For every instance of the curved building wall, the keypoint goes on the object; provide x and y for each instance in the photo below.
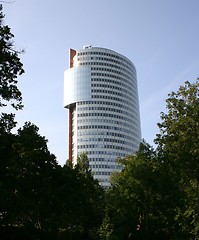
(102, 96)
(77, 85)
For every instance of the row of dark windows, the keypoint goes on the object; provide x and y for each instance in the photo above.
(104, 140)
(98, 107)
(93, 160)
(85, 103)
(114, 134)
(100, 53)
(105, 160)
(109, 84)
(103, 173)
(104, 166)
(116, 71)
(106, 82)
(115, 104)
(120, 78)
(105, 127)
(108, 154)
(109, 115)
(111, 98)
(104, 121)
(104, 87)
(106, 64)
(105, 109)
(89, 60)
(124, 93)
(87, 146)
(124, 74)
(123, 100)
(111, 57)
(96, 159)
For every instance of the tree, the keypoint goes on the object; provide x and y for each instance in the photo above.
(26, 183)
(141, 198)
(10, 68)
(179, 129)
(83, 164)
(91, 199)
(178, 144)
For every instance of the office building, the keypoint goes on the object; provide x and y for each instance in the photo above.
(100, 91)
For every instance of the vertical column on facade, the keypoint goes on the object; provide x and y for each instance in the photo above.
(70, 134)
(72, 53)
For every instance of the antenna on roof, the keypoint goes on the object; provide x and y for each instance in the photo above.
(87, 46)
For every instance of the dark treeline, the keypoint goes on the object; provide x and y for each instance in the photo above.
(156, 195)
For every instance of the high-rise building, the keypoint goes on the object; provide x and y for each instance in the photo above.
(100, 91)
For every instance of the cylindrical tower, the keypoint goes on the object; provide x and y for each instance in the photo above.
(100, 91)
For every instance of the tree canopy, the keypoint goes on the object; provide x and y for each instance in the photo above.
(179, 129)
(156, 195)
(10, 68)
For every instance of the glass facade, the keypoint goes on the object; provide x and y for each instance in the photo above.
(101, 92)
(78, 84)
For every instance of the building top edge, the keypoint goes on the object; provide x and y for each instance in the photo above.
(88, 48)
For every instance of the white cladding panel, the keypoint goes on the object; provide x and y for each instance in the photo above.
(77, 85)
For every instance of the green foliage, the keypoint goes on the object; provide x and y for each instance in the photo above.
(26, 171)
(10, 68)
(178, 142)
(41, 198)
(106, 229)
(156, 196)
(91, 196)
(141, 199)
(83, 163)
(7, 123)
(179, 130)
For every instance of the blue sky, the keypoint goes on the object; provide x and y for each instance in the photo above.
(161, 37)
